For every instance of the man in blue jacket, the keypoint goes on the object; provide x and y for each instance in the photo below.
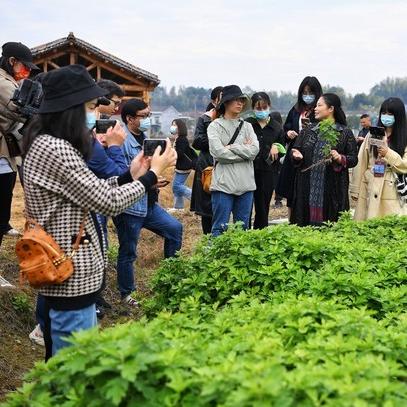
(146, 213)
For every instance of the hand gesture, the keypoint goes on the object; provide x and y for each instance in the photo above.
(139, 166)
(336, 156)
(115, 136)
(296, 154)
(292, 134)
(160, 162)
(274, 152)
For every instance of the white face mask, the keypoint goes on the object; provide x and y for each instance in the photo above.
(173, 130)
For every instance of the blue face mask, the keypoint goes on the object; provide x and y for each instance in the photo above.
(387, 120)
(262, 114)
(145, 124)
(90, 120)
(308, 99)
(173, 130)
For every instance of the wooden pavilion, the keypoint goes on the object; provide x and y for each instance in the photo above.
(136, 82)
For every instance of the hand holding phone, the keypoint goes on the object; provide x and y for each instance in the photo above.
(150, 145)
(115, 136)
(102, 125)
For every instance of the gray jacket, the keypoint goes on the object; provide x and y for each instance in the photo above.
(233, 173)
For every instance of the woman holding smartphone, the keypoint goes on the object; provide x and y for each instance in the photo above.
(374, 180)
(298, 117)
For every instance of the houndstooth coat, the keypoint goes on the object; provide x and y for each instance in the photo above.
(59, 187)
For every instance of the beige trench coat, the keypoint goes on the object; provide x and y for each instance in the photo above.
(377, 196)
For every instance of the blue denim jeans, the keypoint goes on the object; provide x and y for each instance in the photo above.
(223, 205)
(102, 219)
(128, 231)
(180, 190)
(64, 323)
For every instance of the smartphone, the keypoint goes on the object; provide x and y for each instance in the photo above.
(305, 121)
(377, 132)
(103, 125)
(150, 145)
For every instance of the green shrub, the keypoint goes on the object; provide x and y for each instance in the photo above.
(304, 352)
(21, 303)
(358, 264)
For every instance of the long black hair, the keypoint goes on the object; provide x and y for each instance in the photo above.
(334, 101)
(315, 88)
(182, 127)
(68, 125)
(398, 139)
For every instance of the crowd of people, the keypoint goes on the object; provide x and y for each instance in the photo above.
(75, 178)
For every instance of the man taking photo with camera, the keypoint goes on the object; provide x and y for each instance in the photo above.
(16, 64)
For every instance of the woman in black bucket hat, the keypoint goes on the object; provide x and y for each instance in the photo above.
(233, 146)
(61, 191)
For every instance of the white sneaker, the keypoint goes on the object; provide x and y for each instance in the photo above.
(13, 232)
(37, 336)
(129, 300)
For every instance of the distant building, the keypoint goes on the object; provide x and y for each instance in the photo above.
(136, 82)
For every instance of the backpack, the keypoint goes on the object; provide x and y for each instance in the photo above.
(42, 262)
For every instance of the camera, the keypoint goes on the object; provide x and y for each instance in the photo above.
(27, 97)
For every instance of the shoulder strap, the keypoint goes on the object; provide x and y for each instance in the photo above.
(237, 131)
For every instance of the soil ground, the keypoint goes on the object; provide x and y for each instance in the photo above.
(17, 305)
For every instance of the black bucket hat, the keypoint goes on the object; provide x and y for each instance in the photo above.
(232, 92)
(19, 51)
(68, 86)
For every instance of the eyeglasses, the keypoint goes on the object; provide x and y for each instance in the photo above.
(143, 116)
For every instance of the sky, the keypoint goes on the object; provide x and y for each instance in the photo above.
(264, 44)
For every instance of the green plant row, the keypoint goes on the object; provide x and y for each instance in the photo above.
(303, 352)
(357, 264)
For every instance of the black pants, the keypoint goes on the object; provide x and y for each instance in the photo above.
(206, 222)
(7, 182)
(265, 184)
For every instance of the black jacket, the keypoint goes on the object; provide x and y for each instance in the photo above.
(186, 155)
(336, 187)
(267, 136)
(200, 200)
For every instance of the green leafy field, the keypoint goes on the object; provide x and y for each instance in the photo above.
(280, 317)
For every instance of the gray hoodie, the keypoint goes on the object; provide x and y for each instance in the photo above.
(234, 173)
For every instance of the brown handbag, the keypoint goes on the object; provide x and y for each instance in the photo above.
(42, 262)
(206, 179)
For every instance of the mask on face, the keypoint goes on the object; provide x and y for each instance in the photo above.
(145, 124)
(173, 130)
(22, 73)
(262, 114)
(308, 99)
(387, 120)
(90, 120)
